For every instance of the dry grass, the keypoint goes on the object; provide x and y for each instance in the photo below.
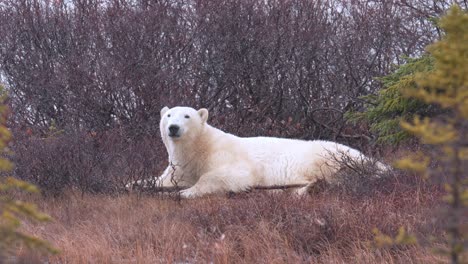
(328, 227)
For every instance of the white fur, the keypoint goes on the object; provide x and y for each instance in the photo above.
(207, 160)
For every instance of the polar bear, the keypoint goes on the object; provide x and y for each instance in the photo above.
(204, 159)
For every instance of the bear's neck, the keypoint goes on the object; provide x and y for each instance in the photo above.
(191, 155)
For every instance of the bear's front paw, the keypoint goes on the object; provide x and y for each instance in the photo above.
(187, 194)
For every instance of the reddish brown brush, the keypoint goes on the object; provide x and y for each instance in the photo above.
(330, 226)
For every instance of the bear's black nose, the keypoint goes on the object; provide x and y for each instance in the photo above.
(173, 130)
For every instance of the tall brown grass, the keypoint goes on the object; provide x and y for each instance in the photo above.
(331, 226)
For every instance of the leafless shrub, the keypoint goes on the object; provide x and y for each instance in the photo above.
(365, 177)
(89, 162)
(92, 64)
(278, 68)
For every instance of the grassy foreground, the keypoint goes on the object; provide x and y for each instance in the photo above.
(331, 226)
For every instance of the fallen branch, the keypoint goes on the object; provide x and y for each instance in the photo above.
(177, 189)
(279, 187)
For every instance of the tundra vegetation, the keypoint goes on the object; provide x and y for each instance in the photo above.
(86, 81)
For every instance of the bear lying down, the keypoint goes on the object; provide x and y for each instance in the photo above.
(204, 159)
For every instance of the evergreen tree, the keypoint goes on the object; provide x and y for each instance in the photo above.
(13, 210)
(445, 86)
(385, 110)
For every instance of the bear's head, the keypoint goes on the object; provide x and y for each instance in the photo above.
(182, 123)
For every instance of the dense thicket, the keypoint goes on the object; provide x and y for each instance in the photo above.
(88, 77)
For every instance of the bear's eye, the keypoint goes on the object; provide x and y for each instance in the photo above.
(168, 115)
(187, 116)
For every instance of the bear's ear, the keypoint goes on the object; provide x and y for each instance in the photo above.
(203, 113)
(164, 110)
